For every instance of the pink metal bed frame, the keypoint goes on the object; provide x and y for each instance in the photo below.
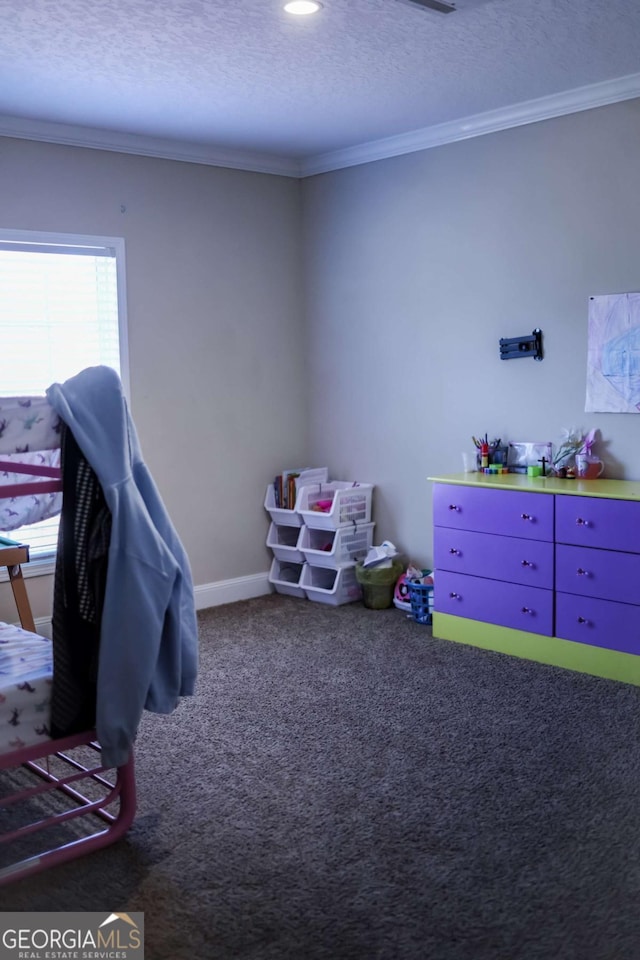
(66, 769)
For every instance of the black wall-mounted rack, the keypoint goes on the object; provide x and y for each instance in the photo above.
(513, 347)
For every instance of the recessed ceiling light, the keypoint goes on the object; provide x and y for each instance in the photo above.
(302, 8)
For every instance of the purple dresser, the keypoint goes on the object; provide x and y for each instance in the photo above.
(598, 572)
(494, 556)
(553, 564)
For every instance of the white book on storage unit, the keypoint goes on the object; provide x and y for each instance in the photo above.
(312, 475)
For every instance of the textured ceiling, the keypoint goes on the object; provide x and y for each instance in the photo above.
(246, 76)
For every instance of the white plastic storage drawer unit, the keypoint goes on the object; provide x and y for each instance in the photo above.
(289, 518)
(330, 586)
(327, 506)
(335, 548)
(286, 577)
(283, 542)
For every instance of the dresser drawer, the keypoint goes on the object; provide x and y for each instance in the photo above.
(496, 558)
(606, 574)
(601, 623)
(506, 604)
(595, 522)
(525, 515)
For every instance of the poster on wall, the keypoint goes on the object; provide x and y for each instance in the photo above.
(613, 357)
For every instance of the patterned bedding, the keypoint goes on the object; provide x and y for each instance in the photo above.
(29, 433)
(27, 424)
(26, 674)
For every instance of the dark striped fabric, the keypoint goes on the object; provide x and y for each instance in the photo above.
(79, 584)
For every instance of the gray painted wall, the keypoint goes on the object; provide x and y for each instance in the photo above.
(415, 268)
(216, 340)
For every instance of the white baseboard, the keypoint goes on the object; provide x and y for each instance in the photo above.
(229, 591)
(206, 594)
(43, 626)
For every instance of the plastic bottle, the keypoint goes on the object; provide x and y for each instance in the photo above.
(484, 455)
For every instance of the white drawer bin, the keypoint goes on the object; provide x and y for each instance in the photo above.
(289, 518)
(286, 577)
(283, 542)
(336, 548)
(350, 504)
(330, 586)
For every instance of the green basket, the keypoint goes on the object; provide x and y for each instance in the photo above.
(378, 584)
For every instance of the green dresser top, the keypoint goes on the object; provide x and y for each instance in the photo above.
(609, 489)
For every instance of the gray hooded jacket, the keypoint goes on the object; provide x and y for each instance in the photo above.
(148, 638)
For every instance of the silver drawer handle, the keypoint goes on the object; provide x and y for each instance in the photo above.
(527, 610)
(582, 573)
(455, 596)
(583, 620)
(526, 563)
(582, 523)
(453, 506)
(527, 516)
(453, 550)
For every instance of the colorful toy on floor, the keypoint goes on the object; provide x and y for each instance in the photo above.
(401, 597)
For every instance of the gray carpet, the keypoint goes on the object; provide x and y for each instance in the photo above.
(345, 786)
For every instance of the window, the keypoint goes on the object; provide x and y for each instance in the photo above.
(61, 309)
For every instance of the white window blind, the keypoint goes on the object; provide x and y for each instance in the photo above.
(61, 309)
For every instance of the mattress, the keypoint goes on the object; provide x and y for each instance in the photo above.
(26, 677)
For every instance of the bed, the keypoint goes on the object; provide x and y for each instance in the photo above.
(57, 797)
(60, 798)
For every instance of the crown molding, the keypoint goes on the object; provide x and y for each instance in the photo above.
(531, 111)
(144, 146)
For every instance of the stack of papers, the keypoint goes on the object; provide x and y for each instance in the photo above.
(380, 556)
